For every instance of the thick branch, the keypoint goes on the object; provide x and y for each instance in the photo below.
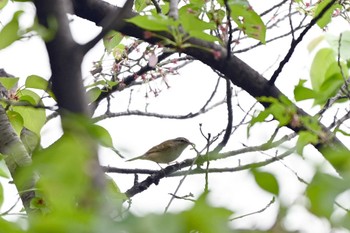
(65, 57)
(16, 158)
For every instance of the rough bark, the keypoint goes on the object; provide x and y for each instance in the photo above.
(16, 158)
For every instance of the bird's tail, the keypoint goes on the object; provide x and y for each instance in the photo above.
(138, 157)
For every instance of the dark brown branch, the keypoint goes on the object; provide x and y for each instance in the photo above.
(298, 40)
(65, 58)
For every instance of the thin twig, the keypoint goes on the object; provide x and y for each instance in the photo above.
(297, 41)
(255, 212)
(153, 114)
(228, 19)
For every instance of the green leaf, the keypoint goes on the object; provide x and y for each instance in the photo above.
(3, 170)
(266, 181)
(3, 3)
(153, 223)
(101, 135)
(305, 138)
(203, 36)
(343, 46)
(140, 5)
(37, 82)
(9, 83)
(206, 218)
(216, 15)
(153, 22)
(328, 89)
(62, 181)
(1, 194)
(111, 40)
(93, 94)
(339, 159)
(248, 20)
(9, 32)
(16, 121)
(327, 17)
(115, 194)
(303, 93)
(323, 60)
(196, 27)
(313, 44)
(333, 80)
(10, 226)
(259, 118)
(322, 192)
(48, 32)
(33, 118)
(30, 140)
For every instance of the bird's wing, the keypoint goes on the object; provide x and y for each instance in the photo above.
(164, 146)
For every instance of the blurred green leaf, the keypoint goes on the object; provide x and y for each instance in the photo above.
(118, 196)
(9, 32)
(339, 159)
(35, 81)
(93, 94)
(8, 83)
(328, 89)
(322, 191)
(203, 36)
(203, 217)
(16, 120)
(153, 223)
(322, 61)
(343, 47)
(30, 140)
(305, 138)
(1, 195)
(303, 93)
(3, 170)
(111, 40)
(101, 135)
(153, 22)
(10, 226)
(248, 20)
(3, 3)
(61, 169)
(316, 41)
(141, 4)
(33, 118)
(266, 181)
(216, 15)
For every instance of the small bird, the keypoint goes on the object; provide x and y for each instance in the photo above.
(166, 151)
